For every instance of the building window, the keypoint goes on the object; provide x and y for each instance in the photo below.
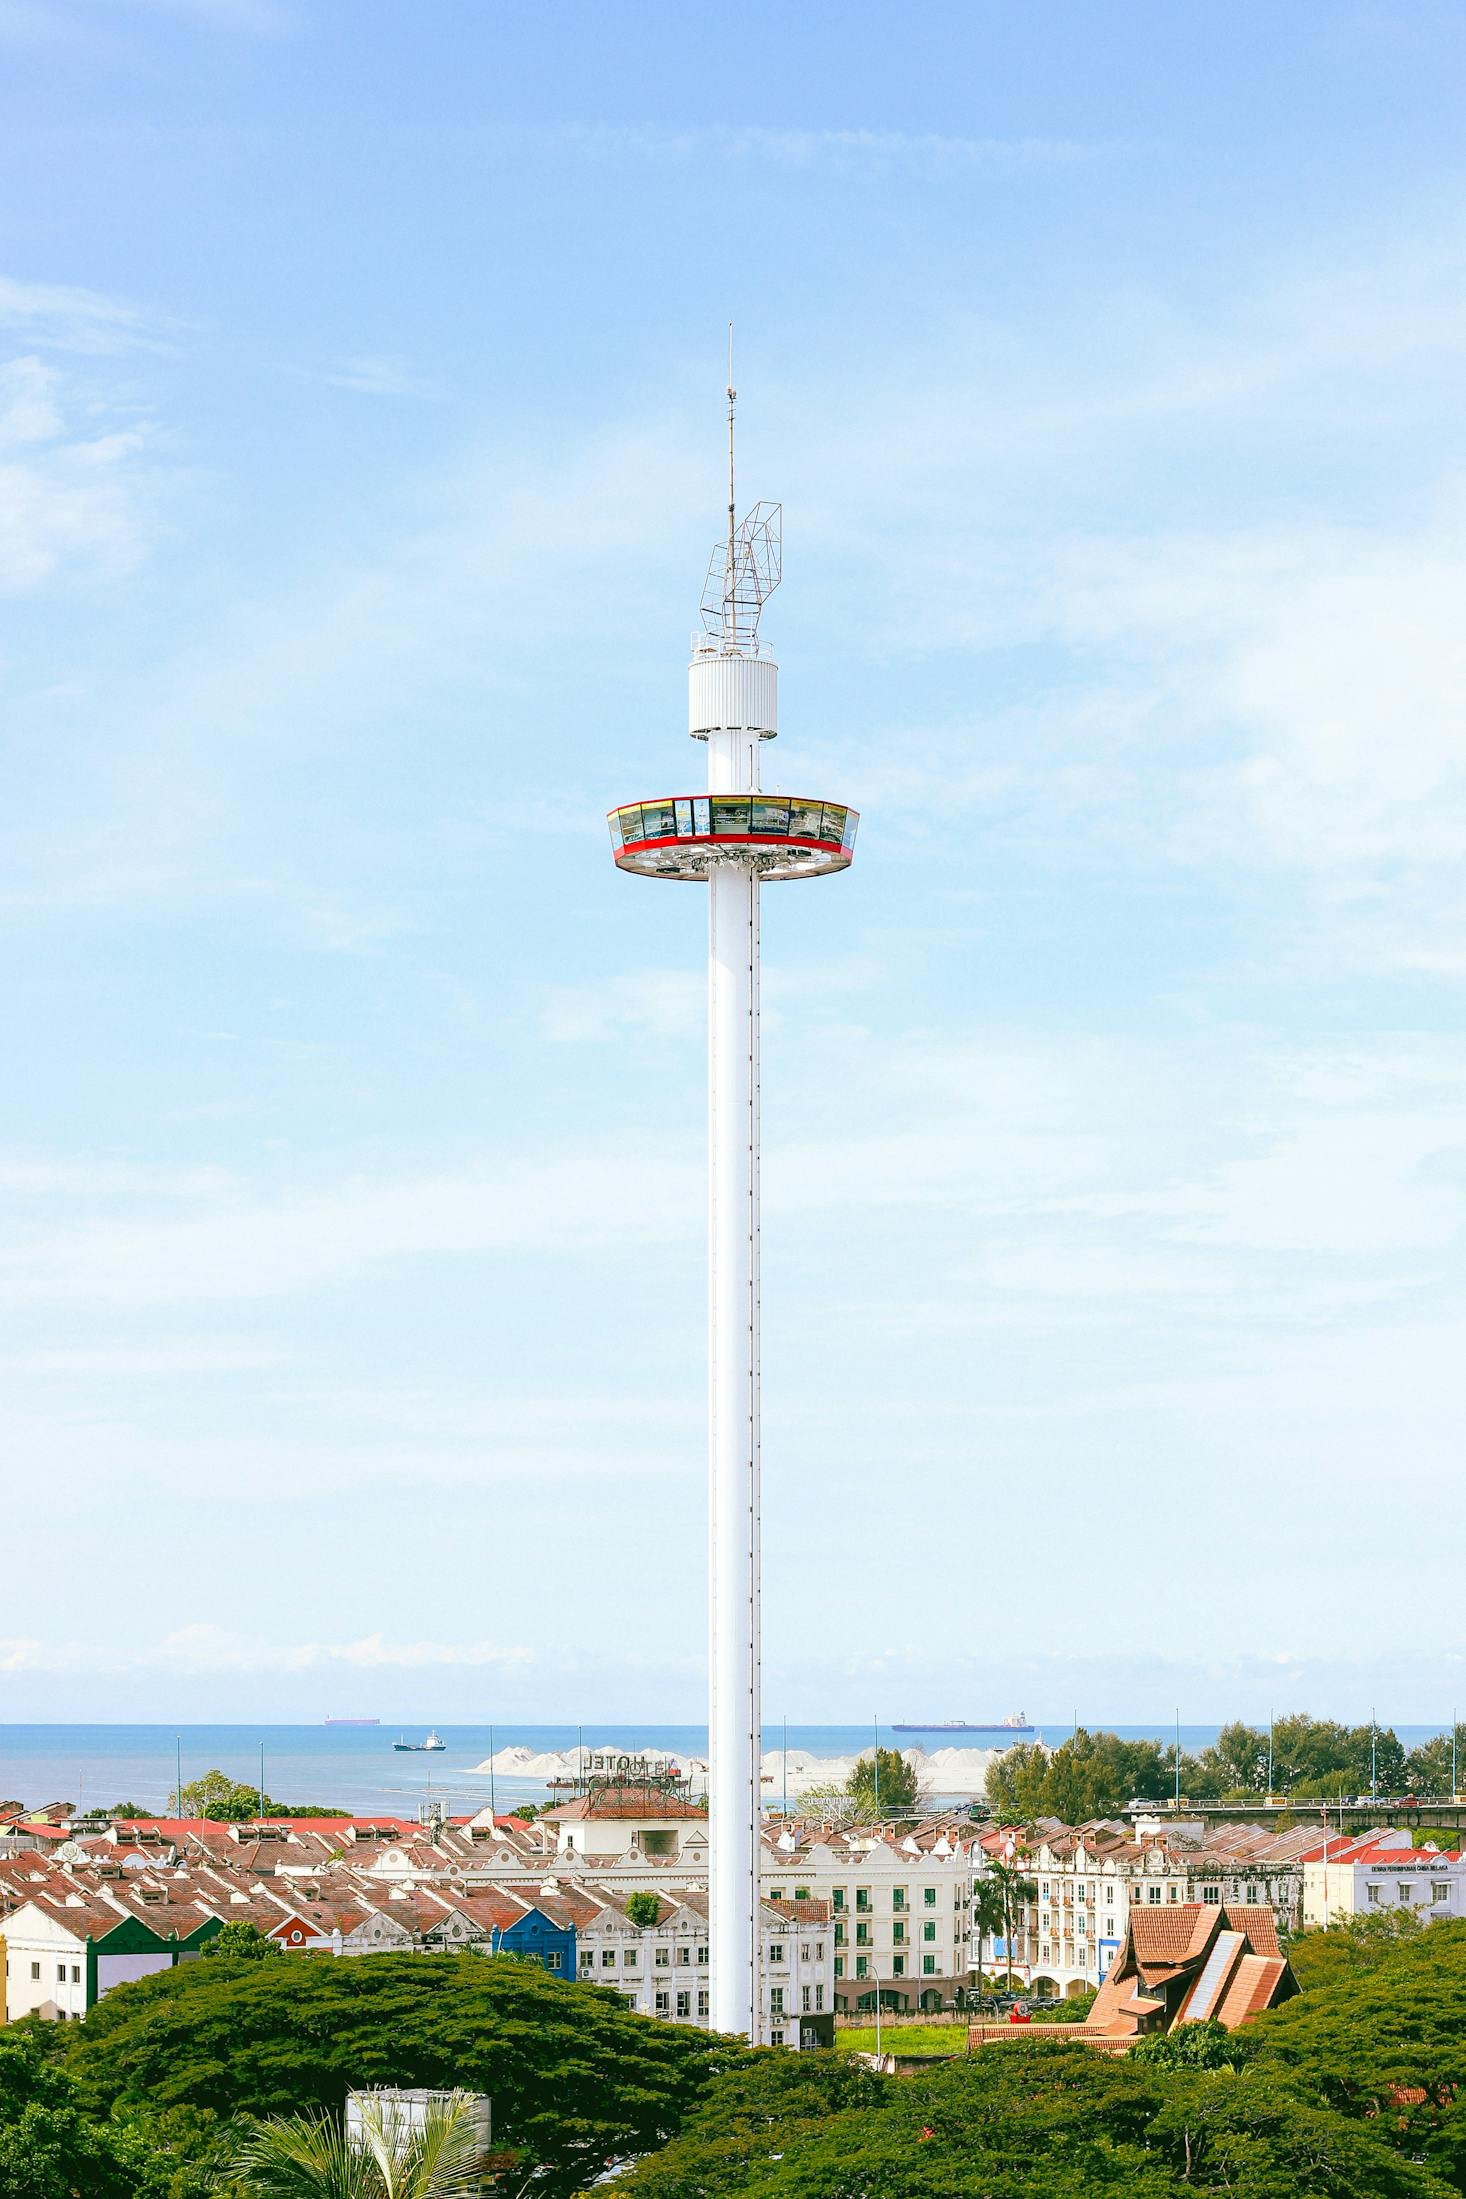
(702, 2004)
(1213, 1894)
(36, 1971)
(928, 1966)
(819, 2000)
(608, 1958)
(837, 1897)
(684, 2005)
(898, 1966)
(898, 1897)
(1373, 1892)
(663, 1958)
(1153, 1894)
(1044, 1889)
(1440, 1889)
(801, 1893)
(776, 2000)
(862, 1967)
(684, 1954)
(804, 1950)
(862, 1897)
(776, 2038)
(929, 1896)
(702, 1954)
(928, 1931)
(1173, 1893)
(819, 1950)
(776, 1951)
(663, 2003)
(552, 1960)
(1406, 1892)
(776, 1893)
(1109, 1897)
(629, 1958)
(839, 1966)
(898, 1933)
(839, 1935)
(61, 1973)
(804, 2008)
(862, 1935)
(587, 1962)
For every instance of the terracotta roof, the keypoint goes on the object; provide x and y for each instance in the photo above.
(1254, 1985)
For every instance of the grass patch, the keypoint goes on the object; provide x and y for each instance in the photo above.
(903, 2038)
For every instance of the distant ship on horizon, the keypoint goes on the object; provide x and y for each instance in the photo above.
(351, 1721)
(415, 1748)
(1017, 1723)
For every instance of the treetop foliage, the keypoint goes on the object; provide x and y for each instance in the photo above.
(895, 1793)
(576, 2078)
(1096, 1774)
(1030, 2120)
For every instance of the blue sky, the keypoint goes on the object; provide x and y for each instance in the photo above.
(359, 460)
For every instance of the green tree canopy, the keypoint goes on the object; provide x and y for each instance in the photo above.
(576, 2078)
(240, 1941)
(1030, 2120)
(896, 1793)
(1090, 1775)
(49, 2147)
(1385, 2043)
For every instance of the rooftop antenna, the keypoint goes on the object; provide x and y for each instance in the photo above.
(745, 568)
(732, 566)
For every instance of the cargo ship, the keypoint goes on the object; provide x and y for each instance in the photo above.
(352, 1721)
(416, 1748)
(1018, 1723)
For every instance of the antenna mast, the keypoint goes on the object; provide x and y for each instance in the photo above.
(729, 620)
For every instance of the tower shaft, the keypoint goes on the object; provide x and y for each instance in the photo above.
(733, 1400)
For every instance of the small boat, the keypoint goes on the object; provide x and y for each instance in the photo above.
(353, 1721)
(416, 1748)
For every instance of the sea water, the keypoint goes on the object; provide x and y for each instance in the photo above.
(356, 1768)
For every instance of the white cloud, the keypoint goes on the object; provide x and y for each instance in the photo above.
(65, 500)
(63, 317)
(207, 1649)
(923, 151)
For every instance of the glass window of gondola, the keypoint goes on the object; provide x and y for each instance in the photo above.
(847, 838)
(771, 818)
(832, 824)
(730, 814)
(614, 821)
(700, 822)
(630, 818)
(804, 820)
(684, 817)
(658, 820)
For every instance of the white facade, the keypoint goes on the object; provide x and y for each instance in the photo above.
(1065, 1940)
(1390, 1874)
(46, 1966)
(664, 1970)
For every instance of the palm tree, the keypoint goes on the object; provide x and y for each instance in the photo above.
(987, 1915)
(312, 2157)
(1014, 1890)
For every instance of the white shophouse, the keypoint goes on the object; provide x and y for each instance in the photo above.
(659, 1965)
(1346, 1878)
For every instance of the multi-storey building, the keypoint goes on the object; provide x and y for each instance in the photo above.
(1089, 1877)
(1347, 1877)
(899, 1900)
(659, 1964)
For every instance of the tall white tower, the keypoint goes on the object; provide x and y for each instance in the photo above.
(735, 837)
